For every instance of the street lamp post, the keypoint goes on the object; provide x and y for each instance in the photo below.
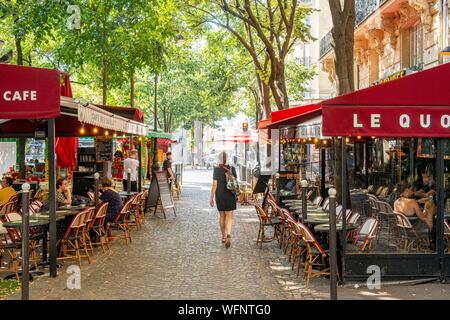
(155, 166)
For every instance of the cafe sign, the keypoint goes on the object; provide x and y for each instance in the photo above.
(29, 93)
(402, 121)
(395, 76)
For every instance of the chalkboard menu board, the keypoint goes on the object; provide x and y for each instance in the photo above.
(104, 149)
(159, 190)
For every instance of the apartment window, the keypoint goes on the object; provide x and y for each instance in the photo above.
(412, 47)
(417, 45)
(308, 21)
(307, 55)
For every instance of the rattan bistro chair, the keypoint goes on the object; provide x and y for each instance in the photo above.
(447, 235)
(409, 237)
(316, 257)
(98, 227)
(264, 222)
(121, 222)
(74, 239)
(366, 234)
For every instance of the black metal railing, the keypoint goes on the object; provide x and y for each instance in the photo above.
(363, 8)
(325, 44)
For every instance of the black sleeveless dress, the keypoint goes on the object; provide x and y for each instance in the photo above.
(225, 199)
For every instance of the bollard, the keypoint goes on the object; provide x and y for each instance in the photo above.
(96, 190)
(129, 181)
(304, 185)
(277, 186)
(25, 242)
(332, 249)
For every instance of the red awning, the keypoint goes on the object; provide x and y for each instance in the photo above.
(264, 124)
(126, 112)
(294, 115)
(29, 93)
(417, 105)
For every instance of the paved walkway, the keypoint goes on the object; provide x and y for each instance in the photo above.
(183, 258)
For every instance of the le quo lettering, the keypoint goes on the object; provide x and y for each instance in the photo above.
(25, 95)
(404, 121)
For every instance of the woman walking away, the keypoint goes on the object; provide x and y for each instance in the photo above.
(225, 199)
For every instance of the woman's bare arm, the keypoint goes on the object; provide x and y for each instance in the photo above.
(213, 191)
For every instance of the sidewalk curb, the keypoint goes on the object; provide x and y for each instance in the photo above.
(355, 285)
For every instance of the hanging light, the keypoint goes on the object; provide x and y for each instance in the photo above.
(316, 140)
(373, 137)
(358, 137)
(106, 133)
(82, 131)
(115, 134)
(347, 140)
(95, 130)
(140, 138)
(324, 141)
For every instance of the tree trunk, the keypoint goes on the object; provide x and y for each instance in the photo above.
(22, 141)
(132, 89)
(343, 40)
(105, 81)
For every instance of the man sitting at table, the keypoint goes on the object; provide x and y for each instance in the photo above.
(63, 195)
(7, 191)
(410, 207)
(112, 197)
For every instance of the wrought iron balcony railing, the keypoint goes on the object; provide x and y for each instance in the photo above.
(325, 44)
(363, 8)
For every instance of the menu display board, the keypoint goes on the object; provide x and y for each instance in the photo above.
(160, 192)
(104, 149)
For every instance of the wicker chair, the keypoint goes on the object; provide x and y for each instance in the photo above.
(264, 222)
(316, 257)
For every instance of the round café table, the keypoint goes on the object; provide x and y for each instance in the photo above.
(34, 222)
(325, 227)
(316, 220)
(126, 196)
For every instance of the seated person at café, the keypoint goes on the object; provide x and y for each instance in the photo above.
(7, 191)
(410, 207)
(112, 197)
(425, 186)
(63, 194)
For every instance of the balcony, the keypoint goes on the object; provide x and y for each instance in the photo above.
(325, 44)
(363, 8)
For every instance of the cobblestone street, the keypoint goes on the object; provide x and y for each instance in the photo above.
(183, 258)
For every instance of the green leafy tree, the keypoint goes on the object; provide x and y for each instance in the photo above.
(267, 30)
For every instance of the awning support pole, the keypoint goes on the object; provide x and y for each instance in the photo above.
(52, 195)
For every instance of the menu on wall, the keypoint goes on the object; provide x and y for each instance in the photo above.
(104, 149)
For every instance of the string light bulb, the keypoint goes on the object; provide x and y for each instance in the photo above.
(106, 133)
(95, 130)
(115, 134)
(358, 137)
(82, 131)
(347, 140)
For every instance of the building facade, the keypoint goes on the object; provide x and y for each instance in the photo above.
(309, 53)
(392, 38)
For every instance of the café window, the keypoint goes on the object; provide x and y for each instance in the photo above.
(401, 196)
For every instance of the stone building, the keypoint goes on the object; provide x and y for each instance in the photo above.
(392, 38)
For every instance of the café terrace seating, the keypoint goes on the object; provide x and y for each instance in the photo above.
(86, 230)
(296, 240)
